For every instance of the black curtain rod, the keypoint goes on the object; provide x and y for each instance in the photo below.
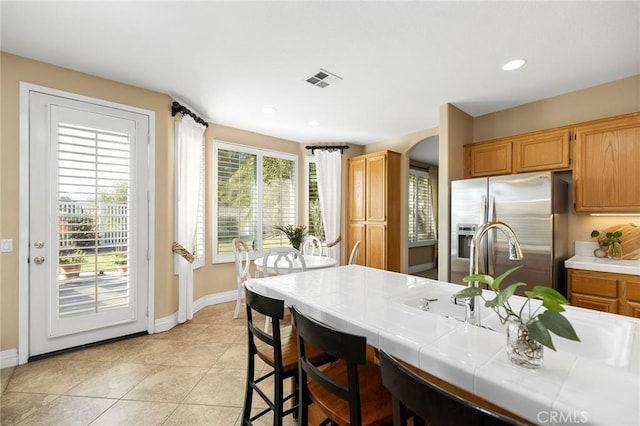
(176, 108)
(327, 148)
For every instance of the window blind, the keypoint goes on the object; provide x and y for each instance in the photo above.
(420, 207)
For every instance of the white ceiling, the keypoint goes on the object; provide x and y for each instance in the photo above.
(399, 60)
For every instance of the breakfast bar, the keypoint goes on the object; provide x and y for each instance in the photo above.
(595, 381)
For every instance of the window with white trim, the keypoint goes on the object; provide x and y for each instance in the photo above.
(421, 226)
(255, 190)
(312, 201)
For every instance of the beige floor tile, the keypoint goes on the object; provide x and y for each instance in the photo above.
(219, 387)
(188, 331)
(222, 334)
(136, 413)
(52, 375)
(115, 381)
(176, 352)
(193, 415)
(267, 420)
(108, 352)
(5, 376)
(69, 410)
(170, 384)
(234, 357)
(16, 406)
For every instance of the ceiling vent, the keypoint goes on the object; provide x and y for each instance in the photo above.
(323, 78)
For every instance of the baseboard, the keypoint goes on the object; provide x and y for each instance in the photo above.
(9, 358)
(421, 267)
(168, 322)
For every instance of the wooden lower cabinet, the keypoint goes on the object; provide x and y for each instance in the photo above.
(604, 291)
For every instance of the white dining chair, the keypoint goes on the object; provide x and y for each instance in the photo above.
(312, 246)
(282, 261)
(354, 253)
(241, 255)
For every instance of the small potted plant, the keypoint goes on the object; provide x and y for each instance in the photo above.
(295, 234)
(528, 328)
(611, 244)
(121, 261)
(71, 263)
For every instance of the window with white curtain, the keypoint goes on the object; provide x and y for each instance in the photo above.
(421, 226)
(312, 202)
(255, 190)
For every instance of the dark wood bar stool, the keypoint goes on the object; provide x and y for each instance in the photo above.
(426, 403)
(277, 349)
(348, 391)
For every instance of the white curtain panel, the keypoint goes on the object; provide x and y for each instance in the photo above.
(189, 159)
(329, 175)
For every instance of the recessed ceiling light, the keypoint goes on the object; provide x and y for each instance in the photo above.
(269, 110)
(313, 123)
(513, 65)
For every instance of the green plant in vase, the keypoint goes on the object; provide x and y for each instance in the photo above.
(612, 242)
(528, 328)
(295, 234)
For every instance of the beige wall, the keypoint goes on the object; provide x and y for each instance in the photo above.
(208, 280)
(606, 100)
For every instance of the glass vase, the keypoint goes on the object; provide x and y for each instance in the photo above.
(615, 251)
(521, 349)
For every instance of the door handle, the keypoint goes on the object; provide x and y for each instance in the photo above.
(38, 260)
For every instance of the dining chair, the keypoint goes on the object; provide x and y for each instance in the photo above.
(283, 261)
(241, 255)
(415, 397)
(354, 253)
(347, 391)
(312, 246)
(279, 351)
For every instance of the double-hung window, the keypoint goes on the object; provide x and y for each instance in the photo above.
(255, 190)
(421, 224)
(314, 214)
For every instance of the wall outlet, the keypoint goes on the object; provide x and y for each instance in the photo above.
(6, 245)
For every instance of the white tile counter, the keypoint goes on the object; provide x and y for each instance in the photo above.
(593, 382)
(584, 259)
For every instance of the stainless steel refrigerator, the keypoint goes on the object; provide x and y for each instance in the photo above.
(534, 205)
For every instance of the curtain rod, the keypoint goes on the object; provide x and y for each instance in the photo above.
(176, 108)
(327, 148)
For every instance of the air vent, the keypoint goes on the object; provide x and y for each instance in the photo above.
(323, 78)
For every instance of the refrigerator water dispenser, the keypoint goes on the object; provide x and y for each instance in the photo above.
(465, 234)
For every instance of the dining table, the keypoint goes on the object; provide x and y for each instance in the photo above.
(311, 262)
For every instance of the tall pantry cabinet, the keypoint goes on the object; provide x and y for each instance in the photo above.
(374, 209)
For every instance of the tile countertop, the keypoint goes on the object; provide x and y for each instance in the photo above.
(600, 386)
(584, 259)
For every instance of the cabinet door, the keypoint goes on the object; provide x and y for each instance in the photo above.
(632, 297)
(542, 151)
(376, 245)
(605, 170)
(488, 159)
(593, 283)
(376, 188)
(596, 303)
(356, 233)
(357, 169)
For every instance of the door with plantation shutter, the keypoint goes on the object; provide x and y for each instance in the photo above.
(88, 224)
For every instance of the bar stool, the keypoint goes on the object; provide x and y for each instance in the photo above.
(427, 403)
(279, 351)
(348, 391)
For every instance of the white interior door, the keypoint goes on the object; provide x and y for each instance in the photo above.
(88, 224)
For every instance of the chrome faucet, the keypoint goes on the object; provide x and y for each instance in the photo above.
(515, 253)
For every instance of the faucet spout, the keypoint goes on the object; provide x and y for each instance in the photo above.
(515, 253)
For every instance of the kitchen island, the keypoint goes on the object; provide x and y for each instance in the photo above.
(594, 382)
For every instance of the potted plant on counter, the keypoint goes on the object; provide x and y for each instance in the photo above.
(528, 328)
(611, 244)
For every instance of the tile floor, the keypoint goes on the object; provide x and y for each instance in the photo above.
(192, 374)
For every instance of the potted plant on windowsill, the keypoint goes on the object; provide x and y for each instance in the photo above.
(295, 234)
(528, 328)
(72, 263)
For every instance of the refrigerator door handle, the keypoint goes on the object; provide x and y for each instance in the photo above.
(491, 237)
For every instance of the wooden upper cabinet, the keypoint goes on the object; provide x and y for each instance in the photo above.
(357, 169)
(376, 188)
(548, 150)
(488, 158)
(606, 172)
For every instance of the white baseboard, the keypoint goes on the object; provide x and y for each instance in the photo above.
(9, 358)
(168, 322)
(421, 267)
